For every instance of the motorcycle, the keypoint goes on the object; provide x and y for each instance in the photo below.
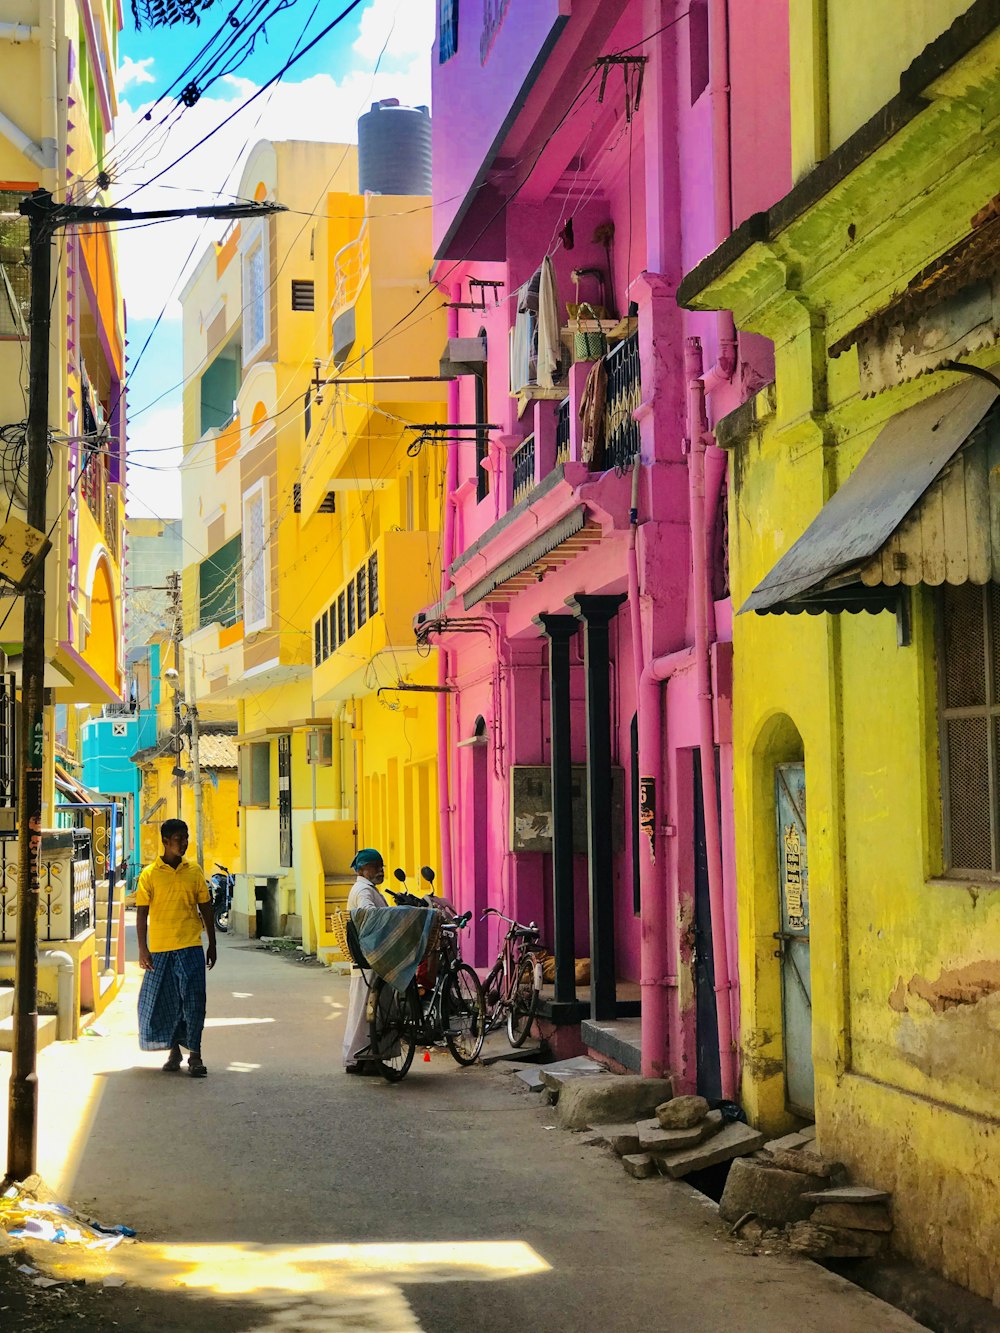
(221, 885)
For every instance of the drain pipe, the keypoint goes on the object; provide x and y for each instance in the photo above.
(701, 594)
(66, 976)
(447, 556)
(722, 194)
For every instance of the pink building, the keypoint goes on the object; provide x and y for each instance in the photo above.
(584, 612)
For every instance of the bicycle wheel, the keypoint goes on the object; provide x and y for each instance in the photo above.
(523, 1001)
(463, 1014)
(492, 1000)
(391, 1030)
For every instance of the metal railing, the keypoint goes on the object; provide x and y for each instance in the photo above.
(350, 268)
(524, 468)
(111, 519)
(562, 432)
(624, 394)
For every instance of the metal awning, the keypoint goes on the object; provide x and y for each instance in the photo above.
(832, 565)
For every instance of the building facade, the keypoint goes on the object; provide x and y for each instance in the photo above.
(584, 616)
(864, 742)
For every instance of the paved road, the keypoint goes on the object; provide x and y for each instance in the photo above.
(281, 1196)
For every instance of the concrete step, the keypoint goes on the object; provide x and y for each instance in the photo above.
(6, 1001)
(46, 1031)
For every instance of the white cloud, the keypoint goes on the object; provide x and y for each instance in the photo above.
(153, 488)
(135, 71)
(151, 259)
(407, 26)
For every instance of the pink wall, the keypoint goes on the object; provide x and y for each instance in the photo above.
(560, 154)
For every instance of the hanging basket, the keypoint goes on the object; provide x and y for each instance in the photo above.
(588, 344)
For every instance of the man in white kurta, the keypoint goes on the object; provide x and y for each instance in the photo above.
(370, 871)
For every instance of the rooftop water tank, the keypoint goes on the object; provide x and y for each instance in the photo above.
(394, 149)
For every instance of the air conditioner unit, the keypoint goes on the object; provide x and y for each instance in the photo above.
(319, 747)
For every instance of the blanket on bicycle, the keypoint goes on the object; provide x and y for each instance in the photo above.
(394, 940)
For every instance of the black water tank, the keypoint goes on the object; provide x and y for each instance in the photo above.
(394, 149)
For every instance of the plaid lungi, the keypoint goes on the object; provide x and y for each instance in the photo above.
(172, 1000)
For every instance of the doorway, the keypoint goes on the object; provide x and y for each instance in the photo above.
(793, 935)
(284, 801)
(709, 1074)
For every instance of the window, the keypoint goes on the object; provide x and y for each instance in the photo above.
(969, 694)
(361, 583)
(342, 618)
(698, 41)
(447, 30)
(15, 274)
(303, 295)
(256, 559)
(219, 585)
(318, 641)
(325, 630)
(373, 583)
(255, 312)
(255, 773)
(352, 623)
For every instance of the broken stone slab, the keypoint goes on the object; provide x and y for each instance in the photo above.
(556, 1075)
(639, 1165)
(834, 1242)
(610, 1100)
(853, 1216)
(850, 1194)
(654, 1139)
(593, 1139)
(712, 1123)
(682, 1112)
(531, 1077)
(766, 1191)
(788, 1143)
(808, 1163)
(624, 1139)
(809, 1132)
(735, 1140)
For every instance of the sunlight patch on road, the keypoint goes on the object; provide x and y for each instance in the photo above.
(241, 1067)
(235, 1022)
(242, 994)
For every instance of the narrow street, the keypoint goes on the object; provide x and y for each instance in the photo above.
(281, 1195)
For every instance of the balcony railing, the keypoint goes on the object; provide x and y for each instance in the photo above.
(350, 267)
(562, 432)
(621, 430)
(524, 468)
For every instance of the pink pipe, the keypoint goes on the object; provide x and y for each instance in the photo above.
(632, 565)
(701, 593)
(722, 195)
(447, 555)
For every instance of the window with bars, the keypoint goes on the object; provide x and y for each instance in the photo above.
(256, 559)
(373, 583)
(254, 300)
(969, 702)
(361, 582)
(352, 623)
(342, 618)
(303, 294)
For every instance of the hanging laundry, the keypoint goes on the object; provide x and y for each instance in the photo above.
(549, 342)
(593, 404)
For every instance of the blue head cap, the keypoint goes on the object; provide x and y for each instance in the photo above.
(366, 857)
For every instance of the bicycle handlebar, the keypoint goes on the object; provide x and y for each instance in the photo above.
(492, 911)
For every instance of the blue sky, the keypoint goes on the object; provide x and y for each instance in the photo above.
(338, 76)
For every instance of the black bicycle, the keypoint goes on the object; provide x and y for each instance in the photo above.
(512, 987)
(450, 1011)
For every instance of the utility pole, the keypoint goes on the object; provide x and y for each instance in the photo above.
(45, 218)
(193, 721)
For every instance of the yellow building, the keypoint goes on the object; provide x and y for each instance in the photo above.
(379, 504)
(58, 66)
(865, 731)
(258, 577)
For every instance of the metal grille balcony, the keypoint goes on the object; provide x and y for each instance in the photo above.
(524, 468)
(621, 431)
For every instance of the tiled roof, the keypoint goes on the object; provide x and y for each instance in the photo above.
(216, 750)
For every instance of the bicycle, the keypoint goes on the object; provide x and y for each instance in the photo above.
(513, 984)
(452, 1012)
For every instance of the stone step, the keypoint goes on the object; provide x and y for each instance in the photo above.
(6, 1001)
(46, 1031)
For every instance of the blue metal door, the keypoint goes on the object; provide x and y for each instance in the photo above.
(793, 936)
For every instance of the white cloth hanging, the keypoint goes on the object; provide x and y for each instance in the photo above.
(549, 343)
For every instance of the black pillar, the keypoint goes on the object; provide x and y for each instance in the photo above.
(560, 632)
(597, 613)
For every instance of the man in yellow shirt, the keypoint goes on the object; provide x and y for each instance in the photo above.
(173, 903)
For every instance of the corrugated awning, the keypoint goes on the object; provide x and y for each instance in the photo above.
(837, 564)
